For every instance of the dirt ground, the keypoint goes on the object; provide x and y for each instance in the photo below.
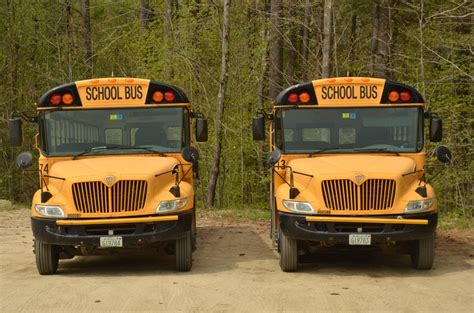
(235, 269)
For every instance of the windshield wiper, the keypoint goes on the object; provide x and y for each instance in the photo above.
(376, 150)
(102, 148)
(327, 149)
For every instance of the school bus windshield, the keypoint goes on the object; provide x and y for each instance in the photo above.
(349, 130)
(69, 132)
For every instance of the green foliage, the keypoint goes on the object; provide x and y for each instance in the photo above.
(429, 50)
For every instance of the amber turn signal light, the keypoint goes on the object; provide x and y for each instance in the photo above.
(158, 96)
(393, 96)
(68, 98)
(304, 97)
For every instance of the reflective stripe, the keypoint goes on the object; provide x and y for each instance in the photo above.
(119, 220)
(365, 220)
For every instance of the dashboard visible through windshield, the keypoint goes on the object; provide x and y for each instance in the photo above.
(349, 130)
(70, 132)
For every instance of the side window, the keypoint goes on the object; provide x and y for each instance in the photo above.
(289, 134)
(186, 130)
(133, 131)
(113, 136)
(316, 134)
(173, 136)
(347, 135)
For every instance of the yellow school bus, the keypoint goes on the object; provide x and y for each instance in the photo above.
(349, 163)
(117, 169)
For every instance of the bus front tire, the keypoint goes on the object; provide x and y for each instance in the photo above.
(422, 255)
(47, 258)
(288, 253)
(184, 250)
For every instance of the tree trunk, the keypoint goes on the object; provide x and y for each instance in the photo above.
(353, 51)
(146, 13)
(275, 74)
(380, 39)
(306, 34)
(326, 69)
(86, 24)
(211, 186)
(167, 18)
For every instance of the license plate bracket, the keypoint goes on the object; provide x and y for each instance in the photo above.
(111, 241)
(360, 239)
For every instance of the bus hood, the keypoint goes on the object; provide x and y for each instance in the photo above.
(348, 165)
(121, 167)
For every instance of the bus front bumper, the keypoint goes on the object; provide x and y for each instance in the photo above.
(336, 229)
(135, 231)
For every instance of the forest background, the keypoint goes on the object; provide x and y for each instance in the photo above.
(234, 57)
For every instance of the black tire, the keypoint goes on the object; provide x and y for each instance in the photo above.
(184, 251)
(422, 255)
(288, 253)
(47, 258)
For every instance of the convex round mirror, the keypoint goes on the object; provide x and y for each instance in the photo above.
(274, 157)
(190, 154)
(444, 154)
(23, 160)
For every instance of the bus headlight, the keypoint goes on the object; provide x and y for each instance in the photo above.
(298, 206)
(420, 205)
(49, 210)
(171, 205)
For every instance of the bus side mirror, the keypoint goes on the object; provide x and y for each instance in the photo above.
(14, 126)
(258, 128)
(201, 129)
(443, 154)
(436, 129)
(23, 160)
(274, 157)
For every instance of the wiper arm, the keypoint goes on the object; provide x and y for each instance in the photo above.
(376, 150)
(327, 149)
(101, 148)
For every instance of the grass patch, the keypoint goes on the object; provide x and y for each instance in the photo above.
(247, 213)
(6, 205)
(449, 221)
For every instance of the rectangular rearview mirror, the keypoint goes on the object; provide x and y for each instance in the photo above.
(258, 128)
(201, 129)
(14, 126)
(436, 129)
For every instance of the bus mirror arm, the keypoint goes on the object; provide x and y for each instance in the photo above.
(294, 192)
(23, 116)
(175, 190)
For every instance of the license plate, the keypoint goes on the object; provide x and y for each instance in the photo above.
(115, 241)
(359, 239)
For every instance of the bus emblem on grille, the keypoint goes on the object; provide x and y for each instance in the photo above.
(109, 180)
(359, 178)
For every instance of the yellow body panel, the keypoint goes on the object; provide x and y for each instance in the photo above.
(340, 166)
(122, 167)
(119, 221)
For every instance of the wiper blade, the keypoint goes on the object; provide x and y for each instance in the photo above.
(328, 149)
(376, 150)
(102, 148)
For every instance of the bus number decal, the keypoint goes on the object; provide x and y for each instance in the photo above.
(44, 168)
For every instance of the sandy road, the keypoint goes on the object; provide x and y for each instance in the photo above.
(235, 269)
